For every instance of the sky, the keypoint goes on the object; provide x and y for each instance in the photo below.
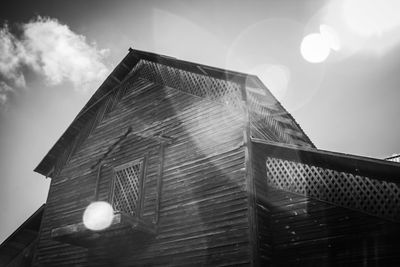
(54, 55)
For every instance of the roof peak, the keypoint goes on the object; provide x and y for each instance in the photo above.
(160, 68)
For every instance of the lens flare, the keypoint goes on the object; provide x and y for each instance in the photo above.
(331, 36)
(315, 48)
(372, 17)
(98, 216)
(275, 77)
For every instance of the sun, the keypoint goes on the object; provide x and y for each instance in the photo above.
(315, 48)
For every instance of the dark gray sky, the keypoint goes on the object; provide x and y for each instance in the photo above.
(50, 66)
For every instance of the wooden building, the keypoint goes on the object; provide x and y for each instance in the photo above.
(203, 166)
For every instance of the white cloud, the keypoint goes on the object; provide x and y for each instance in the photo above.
(64, 55)
(5, 90)
(52, 50)
(11, 57)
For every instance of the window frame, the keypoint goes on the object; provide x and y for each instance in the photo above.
(141, 183)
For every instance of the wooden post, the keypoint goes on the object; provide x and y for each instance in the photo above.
(250, 184)
(96, 189)
(142, 177)
(159, 183)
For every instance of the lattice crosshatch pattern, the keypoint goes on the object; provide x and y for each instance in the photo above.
(226, 92)
(268, 121)
(126, 188)
(361, 193)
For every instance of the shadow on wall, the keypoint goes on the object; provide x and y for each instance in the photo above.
(310, 232)
(203, 212)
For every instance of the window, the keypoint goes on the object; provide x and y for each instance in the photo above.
(127, 187)
(126, 197)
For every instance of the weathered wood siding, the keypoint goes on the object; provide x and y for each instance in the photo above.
(203, 215)
(296, 230)
(262, 212)
(270, 121)
(308, 232)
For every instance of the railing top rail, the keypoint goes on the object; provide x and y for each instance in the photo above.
(358, 165)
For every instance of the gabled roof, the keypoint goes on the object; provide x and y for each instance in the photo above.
(120, 73)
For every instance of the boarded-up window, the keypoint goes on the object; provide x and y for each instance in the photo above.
(127, 183)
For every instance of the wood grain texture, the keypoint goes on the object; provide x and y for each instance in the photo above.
(311, 232)
(205, 184)
(202, 213)
(297, 230)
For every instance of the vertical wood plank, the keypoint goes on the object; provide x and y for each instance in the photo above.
(142, 183)
(250, 185)
(159, 183)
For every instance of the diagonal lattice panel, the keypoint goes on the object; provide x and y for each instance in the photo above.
(126, 191)
(223, 91)
(366, 194)
(269, 120)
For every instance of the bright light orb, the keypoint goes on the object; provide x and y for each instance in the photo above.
(315, 48)
(98, 216)
(370, 18)
(331, 36)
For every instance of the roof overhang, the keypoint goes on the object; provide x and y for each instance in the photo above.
(46, 166)
(358, 165)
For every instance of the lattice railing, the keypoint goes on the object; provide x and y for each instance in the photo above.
(126, 189)
(223, 91)
(366, 194)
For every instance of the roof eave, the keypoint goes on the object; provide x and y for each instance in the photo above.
(358, 165)
(119, 72)
(47, 164)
